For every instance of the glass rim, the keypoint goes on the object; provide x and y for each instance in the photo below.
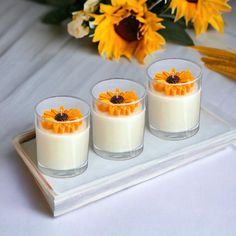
(86, 115)
(198, 77)
(121, 104)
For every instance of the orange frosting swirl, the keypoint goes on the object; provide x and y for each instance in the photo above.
(174, 83)
(56, 120)
(114, 103)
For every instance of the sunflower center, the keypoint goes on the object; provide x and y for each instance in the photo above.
(173, 79)
(129, 29)
(117, 99)
(192, 1)
(61, 117)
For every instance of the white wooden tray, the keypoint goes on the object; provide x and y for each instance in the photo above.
(105, 177)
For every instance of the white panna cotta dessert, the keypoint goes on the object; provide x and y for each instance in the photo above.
(62, 136)
(118, 118)
(62, 151)
(174, 98)
(128, 131)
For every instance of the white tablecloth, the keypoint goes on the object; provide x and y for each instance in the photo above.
(37, 61)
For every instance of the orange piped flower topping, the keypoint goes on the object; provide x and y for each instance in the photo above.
(56, 120)
(110, 102)
(173, 83)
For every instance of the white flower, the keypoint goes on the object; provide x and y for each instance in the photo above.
(79, 26)
(91, 5)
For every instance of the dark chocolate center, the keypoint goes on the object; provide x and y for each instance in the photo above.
(173, 79)
(128, 29)
(61, 117)
(117, 99)
(192, 1)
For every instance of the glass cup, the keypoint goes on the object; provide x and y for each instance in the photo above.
(62, 136)
(174, 106)
(118, 118)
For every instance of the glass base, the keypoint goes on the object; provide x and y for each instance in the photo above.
(118, 156)
(175, 135)
(62, 173)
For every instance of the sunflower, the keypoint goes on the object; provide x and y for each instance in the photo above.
(173, 83)
(127, 28)
(114, 103)
(56, 120)
(201, 13)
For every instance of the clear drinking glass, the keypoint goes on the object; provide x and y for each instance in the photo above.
(62, 135)
(174, 108)
(117, 122)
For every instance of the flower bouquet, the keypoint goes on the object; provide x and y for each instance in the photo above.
(136, 27)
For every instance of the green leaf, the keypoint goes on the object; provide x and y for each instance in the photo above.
(61, 3)
(175, 32)
(58, 3)
(79, 5)
(56, 16)
(40, 1)
(181, 21)
(108, 2)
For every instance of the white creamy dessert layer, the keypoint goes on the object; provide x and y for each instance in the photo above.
(62, 151)
(118, 133)
(174, 113)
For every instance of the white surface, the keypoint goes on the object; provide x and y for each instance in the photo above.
(38, 61)
(65, 195)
